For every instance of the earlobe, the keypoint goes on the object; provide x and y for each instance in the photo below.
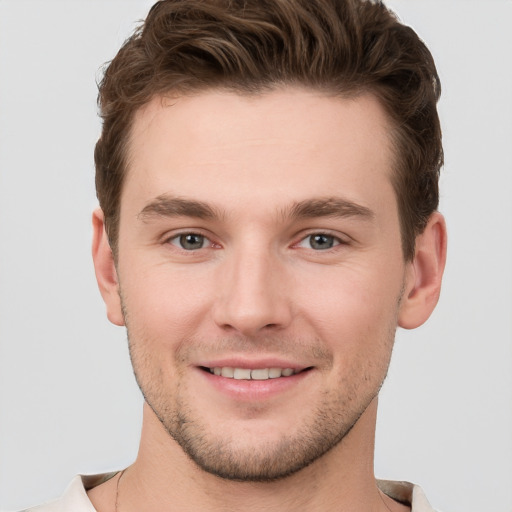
(105, 269)
(424, 274)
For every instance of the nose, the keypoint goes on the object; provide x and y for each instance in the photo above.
(253, 293)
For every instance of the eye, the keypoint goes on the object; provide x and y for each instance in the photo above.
(320, 242)
(190, 241)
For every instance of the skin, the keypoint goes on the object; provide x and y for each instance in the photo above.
(255, 180)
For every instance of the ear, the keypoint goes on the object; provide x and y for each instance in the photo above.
(424, 274)
(104, 266)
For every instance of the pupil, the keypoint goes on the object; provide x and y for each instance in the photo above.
(322, 242)
(191, 241)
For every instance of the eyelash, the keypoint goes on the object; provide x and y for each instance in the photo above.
(336, 240)
(178, 241)
(180, 236)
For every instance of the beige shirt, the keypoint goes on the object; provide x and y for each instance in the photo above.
(75, 498)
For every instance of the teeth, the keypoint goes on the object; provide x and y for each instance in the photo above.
(274, 373)
(227, 372)
(259, 374)
(241, 373)
(248, 374)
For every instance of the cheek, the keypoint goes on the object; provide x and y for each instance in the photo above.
(162, 304)
(353, 307)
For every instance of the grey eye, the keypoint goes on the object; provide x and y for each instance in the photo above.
(189, 241)
(321, 242)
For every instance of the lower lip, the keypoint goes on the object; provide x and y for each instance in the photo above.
(254, 390)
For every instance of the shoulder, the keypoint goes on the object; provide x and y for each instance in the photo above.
(75, 497)
(407, 493)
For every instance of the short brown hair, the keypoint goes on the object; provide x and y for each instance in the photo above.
(344, 47)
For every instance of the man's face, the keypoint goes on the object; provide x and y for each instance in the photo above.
(259, 236)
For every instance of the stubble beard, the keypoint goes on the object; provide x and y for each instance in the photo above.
(265, 462)
(327, 424)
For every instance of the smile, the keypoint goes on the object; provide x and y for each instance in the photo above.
(252, 374)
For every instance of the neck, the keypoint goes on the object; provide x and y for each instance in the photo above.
(163, 478)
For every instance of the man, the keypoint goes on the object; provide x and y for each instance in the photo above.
(267, 176)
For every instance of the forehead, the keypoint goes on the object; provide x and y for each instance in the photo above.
(223, 147)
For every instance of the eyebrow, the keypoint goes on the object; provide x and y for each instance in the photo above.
(171, 206)
(328, 207)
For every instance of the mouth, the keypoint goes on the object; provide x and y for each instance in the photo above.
(253, 374)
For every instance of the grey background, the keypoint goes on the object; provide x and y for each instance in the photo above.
(68, 401)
